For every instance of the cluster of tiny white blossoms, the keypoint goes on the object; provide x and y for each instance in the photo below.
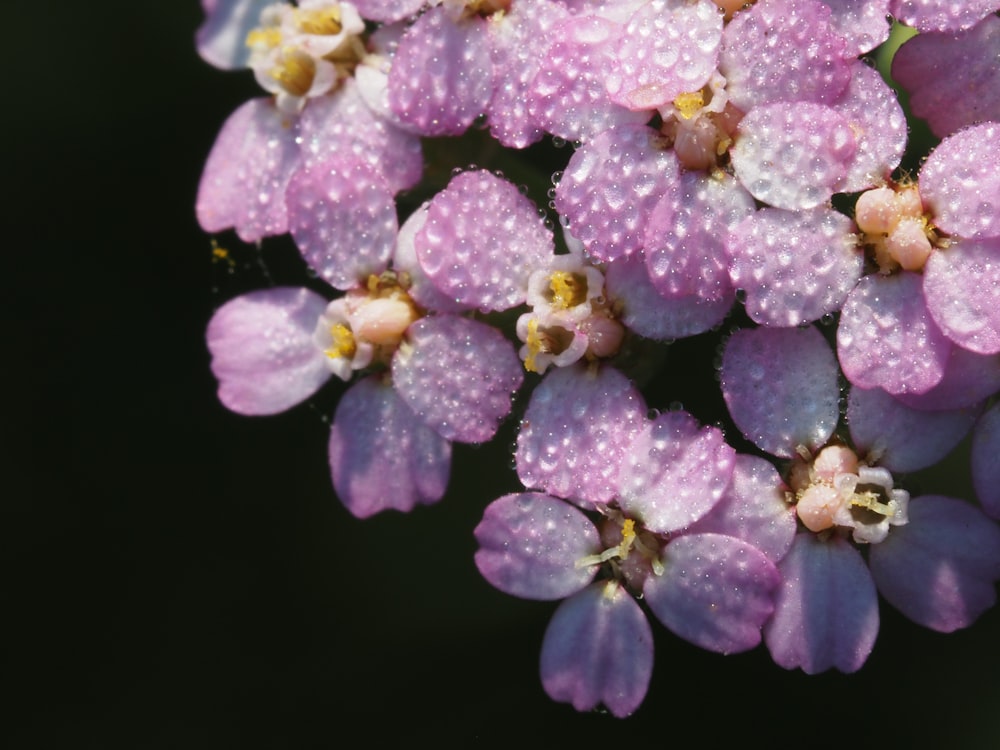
(738, 170)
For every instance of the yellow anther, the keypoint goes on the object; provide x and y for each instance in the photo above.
(296, 73)
(343, 342)
(568, 289)
(535, 345)
(870, 501)
(688, 105)
(326, 22)
(628, 537)
(268, 38)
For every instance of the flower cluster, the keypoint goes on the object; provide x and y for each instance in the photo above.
(737, 170)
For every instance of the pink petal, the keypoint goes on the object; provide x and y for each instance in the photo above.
(529, 544)
(941, 15)
(986, 461)
(343, 219)
(610, 186)
(962, 287)
(939, 569)
(598, 649)
(382, 456)
(862, 24)
(826, 612)
(458, 376)
(482, 240)
(887, 338)
(793, 155)
(221, 39)
(576, 432)
(969, 379)
(263, 352)
(716, 591)
(794, 266)
(684, 239)
(783, 50)
(953, 78)
(247, 171)
(648, 313)
(960, 182)
(754, 509)
(442, 76)
(903, 439)
(780, 385)
(674, 472)
(667, 48)
(879, 125)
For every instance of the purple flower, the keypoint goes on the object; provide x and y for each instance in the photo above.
(934, 558)
(646, 483)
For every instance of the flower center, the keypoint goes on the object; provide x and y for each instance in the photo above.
(896, 228)
(342, 344)
(700, 125)
(323, 21)
(835, 489)
(568, 289)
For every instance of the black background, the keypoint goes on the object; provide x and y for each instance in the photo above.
(179, 576)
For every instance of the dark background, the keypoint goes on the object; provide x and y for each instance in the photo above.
(179, 576)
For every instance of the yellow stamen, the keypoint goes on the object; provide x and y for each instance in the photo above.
(296, 73)
(343, 345)
(326, 22)
(688, 105)
(628, 537)
(568, 289)
(535, 345)
(870, 501)
(265, 38)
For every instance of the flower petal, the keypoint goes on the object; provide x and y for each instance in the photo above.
(263, 352)
(826, 612)
(939, 569)
(382, 456)
(715, 591)
(598, 648)
(529, 544)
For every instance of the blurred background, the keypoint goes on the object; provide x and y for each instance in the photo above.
(178, 576)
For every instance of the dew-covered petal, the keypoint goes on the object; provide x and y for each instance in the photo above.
(577, 431)
(648, 313)
(986, 461)
(404, 260)
(783, 50)
(262, 349)
(520, 41)
(879, 125)
(458, 376)
(941, 15)
(826, 612)
(382, 456)
(780, 385)
(862, 24)
(482, 240)
(793, 154)
(969, 379)
(388, 11)
(568, 98)
(960, 182)
(611, 185)
(753, 508)
(674, 472)
(442, 76)
(684, 238)
(939, 569)
(667, 48)
(794, 266)
(903, 439)
(529, 545)
(887, 338)
(716, 591)
(247, 171)
(598, 649)
(953, 78)
(342, 126)
(221, 39)
(342, 217)
(962, 287)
